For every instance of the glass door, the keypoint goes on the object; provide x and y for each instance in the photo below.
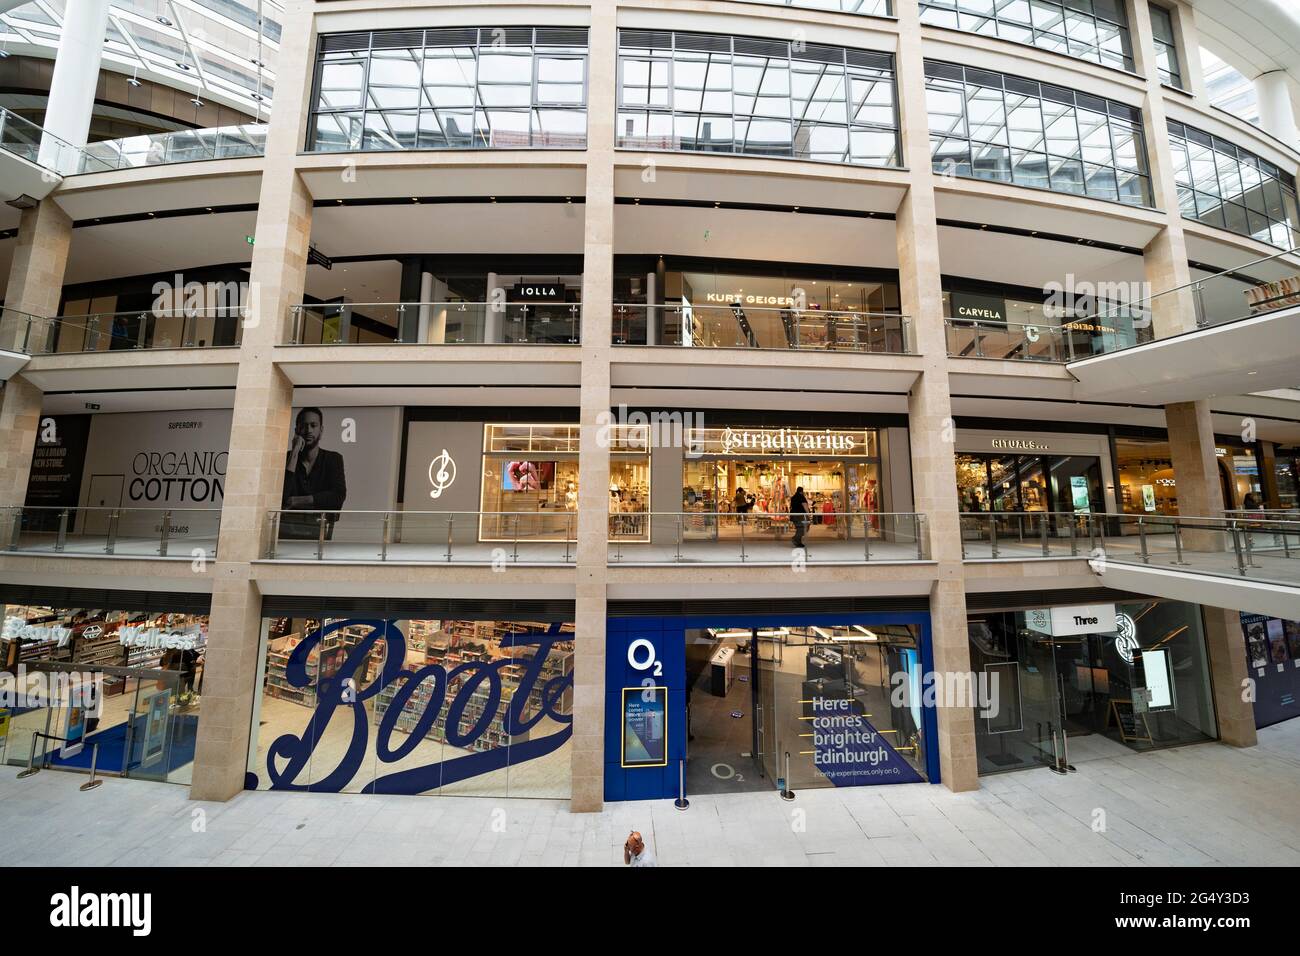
(158, 736)
(1019, 665)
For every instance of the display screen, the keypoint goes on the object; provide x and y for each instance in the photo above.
(528, 476)
(1148, 497)
(1155, 667)
(1079, 494)
(645, 726)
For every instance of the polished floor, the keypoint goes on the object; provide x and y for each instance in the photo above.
(1206, 804)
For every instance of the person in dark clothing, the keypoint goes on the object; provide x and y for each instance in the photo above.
(799, 515)
(743, 501)
(313, 480)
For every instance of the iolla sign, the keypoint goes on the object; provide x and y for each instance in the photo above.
(340, 699)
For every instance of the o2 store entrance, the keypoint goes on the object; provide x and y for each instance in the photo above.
(749, 703)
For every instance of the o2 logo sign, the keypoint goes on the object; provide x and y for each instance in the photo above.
(341, 699)
(642, 656)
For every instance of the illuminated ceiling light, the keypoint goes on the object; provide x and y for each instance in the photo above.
(164, 21)
(134, 78)
(182, 66)
(196, 101)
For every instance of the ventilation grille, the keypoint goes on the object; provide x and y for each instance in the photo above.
(817, 53)
(561, 36)
(461, 36)
(399, 40)
(344, 42)
(645, 39)
(874, 61)
(749, 47)
(703, 42)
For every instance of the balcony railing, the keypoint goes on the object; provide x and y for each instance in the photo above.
(765, 538)
(188, 533)
(1258, 548)
(154, 329)
(422, 537)
(746, 327)
(15, 330)
(180, 146)
(503, 539)
(436, 323)
(25, 139)
(1076, 339)
(1228, 296)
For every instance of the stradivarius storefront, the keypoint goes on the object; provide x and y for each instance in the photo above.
(754, 702)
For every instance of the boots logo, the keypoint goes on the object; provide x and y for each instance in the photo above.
(442, 473)
(77, 909)
(462, 705)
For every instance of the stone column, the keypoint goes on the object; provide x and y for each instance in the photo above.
(1228, 671)
(259, 433)
(1276, 108)
(588, 755)
(931, 428)
(34, 288)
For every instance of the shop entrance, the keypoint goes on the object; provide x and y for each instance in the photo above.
(725, 688)
(1088, 696)
(837, 491)
(146, 726)
(814, 706)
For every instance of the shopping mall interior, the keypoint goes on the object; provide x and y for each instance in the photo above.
(618, 401)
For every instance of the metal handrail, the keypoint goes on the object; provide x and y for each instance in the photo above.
(1197, 287)
(102, 331)
(400, 310)
(843, 320)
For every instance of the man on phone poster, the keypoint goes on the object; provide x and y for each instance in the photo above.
(313, 480)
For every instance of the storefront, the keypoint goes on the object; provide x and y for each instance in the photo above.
(1099, 680)
(757, 703)
(755, 471)
(530, 480)
(117, 688)
(1148, 485)
(734, 304)
(415, 705)
(1019, 473)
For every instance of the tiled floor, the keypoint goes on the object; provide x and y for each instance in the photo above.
(1199, 805)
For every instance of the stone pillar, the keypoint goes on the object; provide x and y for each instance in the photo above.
(1276, 109)
(20, 416)
(72, 88)
(588, 755)
(495, 316)
(40, 258)
(1227, 652)
(932, 433)
(34, 288)
(259, 433)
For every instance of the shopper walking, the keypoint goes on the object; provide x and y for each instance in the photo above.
(799, 515)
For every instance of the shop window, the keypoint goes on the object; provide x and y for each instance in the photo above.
(123, 687)
(530, 483)
(1142, 686)
(465, 707)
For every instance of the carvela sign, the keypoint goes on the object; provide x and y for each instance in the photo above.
(978, 308)
(1073, 620)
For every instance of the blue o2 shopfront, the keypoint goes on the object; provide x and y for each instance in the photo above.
(731, 703)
